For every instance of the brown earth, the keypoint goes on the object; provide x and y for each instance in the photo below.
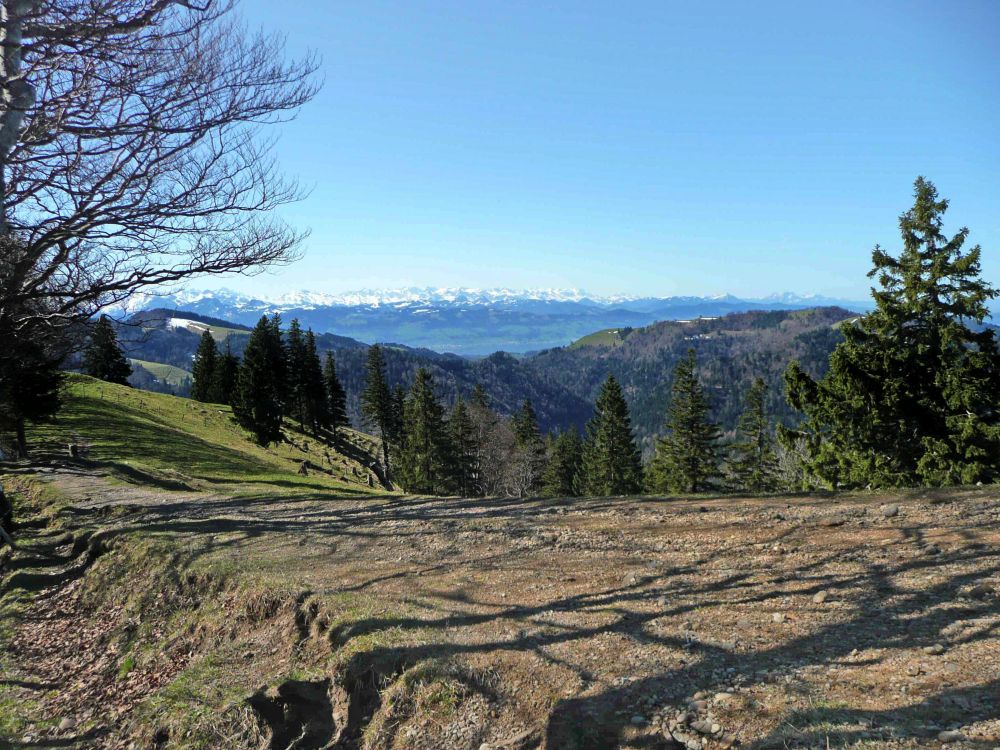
(167, 619)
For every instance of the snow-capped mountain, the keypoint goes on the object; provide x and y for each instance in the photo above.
(470, 320)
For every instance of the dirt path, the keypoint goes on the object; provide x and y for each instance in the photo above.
(600, 623)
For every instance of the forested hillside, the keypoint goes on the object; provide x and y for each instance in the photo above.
(562, 383)
(731, 352)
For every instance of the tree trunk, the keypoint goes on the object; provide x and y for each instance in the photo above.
(22, 440)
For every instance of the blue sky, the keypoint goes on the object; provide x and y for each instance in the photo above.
(643, 147)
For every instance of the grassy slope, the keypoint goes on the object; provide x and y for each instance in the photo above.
(607, 337)
(183, 440)
(167, 373)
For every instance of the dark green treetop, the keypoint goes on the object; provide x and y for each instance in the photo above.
(203, 370)
(910, 396)
(753, 463)
(611, 464)
(103, 358)
(687, 457)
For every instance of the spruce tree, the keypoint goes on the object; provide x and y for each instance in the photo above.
(30, 381)
(686, 457)
(336, 397)
(314, 387)
(376, 400)
(103, 358)
(296, 365)
(227, 367)
(529, 443)
(423, 461)
(910, 396)
(753, 463)
(611, 464)
(561, 477)
(203, 370)
(259, 402)
(463, 450)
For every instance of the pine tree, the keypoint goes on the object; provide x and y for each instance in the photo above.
(376, 400)
(259, 402)
(754, 464)
(686, 457)
(463, 449)
(203, 370)
(314, 387)
(611, 463)
(424, 457)
(529, 443)
(226, 370)
(561, 477)
(296, 365)
(910, 396)
(336, 397)
(104, 358)
(30, 381)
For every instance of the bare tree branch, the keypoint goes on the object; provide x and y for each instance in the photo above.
(131, 152)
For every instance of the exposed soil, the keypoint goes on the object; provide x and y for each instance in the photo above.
(485, 624)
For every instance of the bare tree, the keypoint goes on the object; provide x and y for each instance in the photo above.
(131, 152)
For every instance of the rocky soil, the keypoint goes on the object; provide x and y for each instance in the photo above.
(388, 622)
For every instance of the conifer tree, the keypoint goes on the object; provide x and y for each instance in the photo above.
(203, 370)
(259, 402)
(463, 450)
(397, 416)
(30, 381)
(529, 443)
(561, 477)
(336, 397)
(423, 461)
(314, 386)
(103, 358)
(297, 396)
(227, 367)
(611, 464)
(686, 457)
(910, 396)
(376, 400)
(753, 464)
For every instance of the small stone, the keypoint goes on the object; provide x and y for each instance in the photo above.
(723, 697)
(936, 650)
(67, 723)
(950, 735)
(638, 719)
(889, 511)
(932, 550)
(778, 617)
(698, 706)
(913, 670)
(820, 597)
(486, 746)
(981, 591)
(716, 728)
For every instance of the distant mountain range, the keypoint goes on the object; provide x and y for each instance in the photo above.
(473, 321)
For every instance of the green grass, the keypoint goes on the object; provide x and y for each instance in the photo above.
(167, 440)
(167, 373)
(607, 337)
